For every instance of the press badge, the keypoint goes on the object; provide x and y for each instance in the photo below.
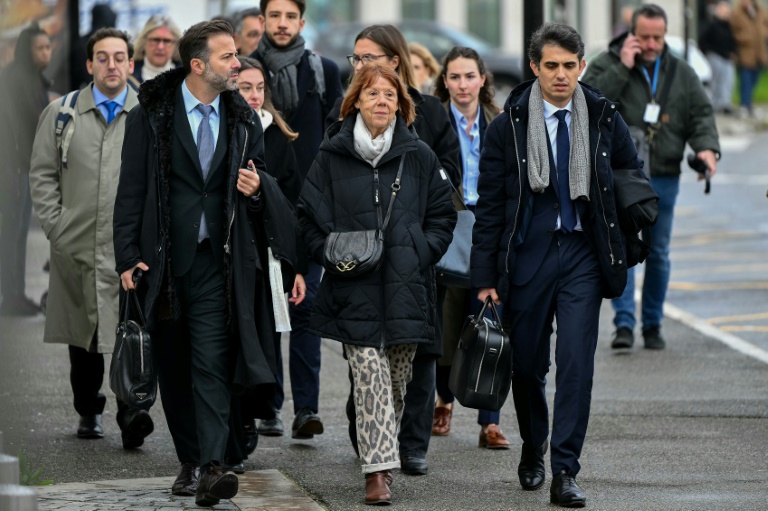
(652, 111)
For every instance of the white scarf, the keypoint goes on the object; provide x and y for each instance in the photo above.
(372, 149)
(148, 71)
(266, 119)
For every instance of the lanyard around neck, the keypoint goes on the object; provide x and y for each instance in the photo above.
(655, 81)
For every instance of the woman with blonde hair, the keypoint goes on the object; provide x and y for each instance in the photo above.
(425, 67)
(372, 165)
(156, 50)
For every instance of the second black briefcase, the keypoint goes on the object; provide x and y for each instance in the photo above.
(481, 372)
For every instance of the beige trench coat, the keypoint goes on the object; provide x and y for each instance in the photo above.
(75, 207)
(751, 36)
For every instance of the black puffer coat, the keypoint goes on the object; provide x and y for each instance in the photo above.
(396, 304)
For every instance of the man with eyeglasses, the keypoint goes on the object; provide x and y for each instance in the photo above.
(73, 195)
(304, 88)
(249, 27)
(156, 48)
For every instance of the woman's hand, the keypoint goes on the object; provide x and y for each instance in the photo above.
(299, 290)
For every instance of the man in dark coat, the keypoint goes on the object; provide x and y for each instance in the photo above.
(547, 244)
(304, 102)
(199, 224)
(23, 96)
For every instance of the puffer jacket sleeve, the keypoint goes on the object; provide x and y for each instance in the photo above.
(702, 131)
(623, 153)
(315, 207)
(440, 217)
(490, 218)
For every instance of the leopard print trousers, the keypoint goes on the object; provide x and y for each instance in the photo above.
(379, 377)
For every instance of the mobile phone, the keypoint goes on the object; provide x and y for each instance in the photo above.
(251, 167)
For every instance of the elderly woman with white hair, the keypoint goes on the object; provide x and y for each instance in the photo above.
(156, 50)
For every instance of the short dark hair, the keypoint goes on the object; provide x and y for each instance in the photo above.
(485, 96)
(104, 33)
(194, 43)
(301, 4)
(237, 20)
(648, 11)
(555, 34)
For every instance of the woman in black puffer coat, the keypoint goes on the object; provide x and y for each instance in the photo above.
(381, 316)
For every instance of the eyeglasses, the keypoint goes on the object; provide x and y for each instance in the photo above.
(365, 59)
(155, 41)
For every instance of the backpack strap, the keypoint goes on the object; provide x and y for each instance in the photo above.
(66, 113)
(316, 63)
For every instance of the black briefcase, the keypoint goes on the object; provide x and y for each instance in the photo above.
(132, 374)
(481, 372)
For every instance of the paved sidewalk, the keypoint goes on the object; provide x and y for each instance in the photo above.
(259, 490)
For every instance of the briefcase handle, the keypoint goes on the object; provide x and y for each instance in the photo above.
(494, 312)
(132, 296)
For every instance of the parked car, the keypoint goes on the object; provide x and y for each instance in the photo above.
(337, 41)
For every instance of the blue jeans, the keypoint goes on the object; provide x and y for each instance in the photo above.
(657, 266)
(748, 78)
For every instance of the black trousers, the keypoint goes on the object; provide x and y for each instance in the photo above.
(86, 375)
(195, 364)
(567, 286)
(13, 238)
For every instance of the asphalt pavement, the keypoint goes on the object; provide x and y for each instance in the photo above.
(685, 428)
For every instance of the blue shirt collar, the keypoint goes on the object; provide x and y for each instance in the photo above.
(550, 109)
(99, 97)
(191, 102)
(460, 117)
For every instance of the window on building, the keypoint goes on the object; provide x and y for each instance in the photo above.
(418, 9)
(324, 12)
(483, 20)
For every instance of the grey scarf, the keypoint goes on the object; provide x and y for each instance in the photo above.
(372, 149)
(282, 62)
(538, 156)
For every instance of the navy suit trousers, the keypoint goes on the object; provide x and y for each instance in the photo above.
(567, 286)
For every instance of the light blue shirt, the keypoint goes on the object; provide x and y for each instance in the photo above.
(470, 153)
(195, 117)
(552, 122)
(100, 100)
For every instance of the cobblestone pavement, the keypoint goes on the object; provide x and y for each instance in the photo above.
(259, 490)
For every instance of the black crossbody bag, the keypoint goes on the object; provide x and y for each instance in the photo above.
(354, 253)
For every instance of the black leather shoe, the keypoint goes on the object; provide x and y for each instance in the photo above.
(90, 427)
(306, 424)
(186, 482)
(272, 427)
(214, 486)
(414, 465)
(564, 491)
(623, 339)
(235, 466)
(530, 471)
(653, 339)
(251, 436)
(138, 426)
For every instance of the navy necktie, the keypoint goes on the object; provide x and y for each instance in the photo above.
(111, 107)
(205, 148)
(567, 211)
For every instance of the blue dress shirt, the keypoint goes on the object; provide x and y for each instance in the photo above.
(100, 100)
(470, 153)
(195, 117)
(552, 122)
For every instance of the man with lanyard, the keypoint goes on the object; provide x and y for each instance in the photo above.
(663, 96)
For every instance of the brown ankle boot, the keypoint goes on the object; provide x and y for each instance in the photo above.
(377, 488)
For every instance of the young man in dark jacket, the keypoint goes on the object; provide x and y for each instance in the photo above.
(199, 224)
(547, 244)
(304, 103)
(634, 71)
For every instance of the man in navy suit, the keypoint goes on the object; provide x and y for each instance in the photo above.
(547, 244)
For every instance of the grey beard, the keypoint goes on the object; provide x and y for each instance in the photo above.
(218, 82)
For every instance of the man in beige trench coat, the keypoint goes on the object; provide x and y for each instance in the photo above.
(73, 195)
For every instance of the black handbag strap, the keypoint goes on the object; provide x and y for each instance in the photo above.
(490, 303)
(132, 297)
(395, 188)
